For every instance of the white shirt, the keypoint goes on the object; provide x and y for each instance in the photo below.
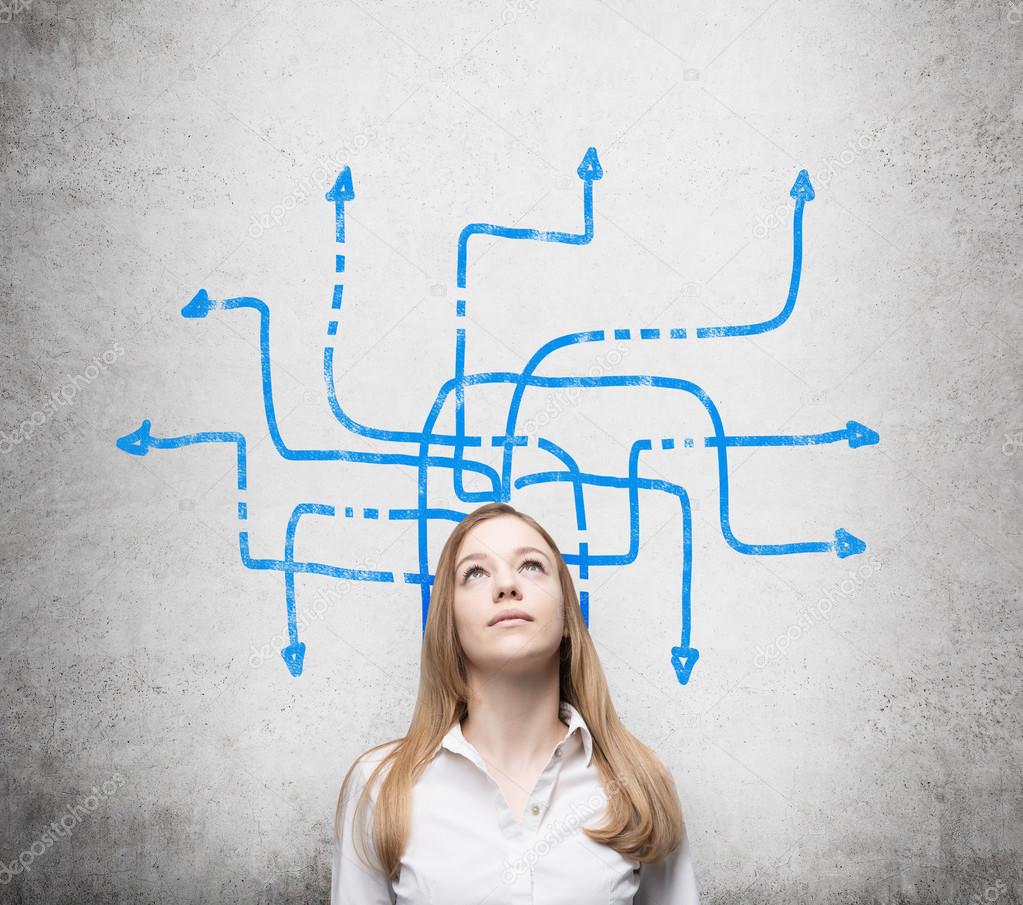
(465, 847)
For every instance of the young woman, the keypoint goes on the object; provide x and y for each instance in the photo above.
(516, 784)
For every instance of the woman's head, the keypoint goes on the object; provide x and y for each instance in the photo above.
(499, 559)
(503, 561)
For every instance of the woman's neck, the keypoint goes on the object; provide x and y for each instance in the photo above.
(511, 730)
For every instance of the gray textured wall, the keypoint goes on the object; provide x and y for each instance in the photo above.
(851, 732)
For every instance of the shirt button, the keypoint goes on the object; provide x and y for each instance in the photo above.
(557, 752)
(535, 809)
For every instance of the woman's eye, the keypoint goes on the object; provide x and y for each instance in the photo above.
(468, 573)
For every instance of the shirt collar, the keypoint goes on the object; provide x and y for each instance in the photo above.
(454, 740)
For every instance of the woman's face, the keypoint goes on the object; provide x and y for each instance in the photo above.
(504, 563)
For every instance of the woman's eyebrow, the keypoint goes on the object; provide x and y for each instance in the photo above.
(517, 552)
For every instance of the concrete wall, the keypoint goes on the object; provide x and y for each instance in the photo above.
(851, 732)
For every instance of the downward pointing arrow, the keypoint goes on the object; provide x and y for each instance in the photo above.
(294, 656)
(684, 659)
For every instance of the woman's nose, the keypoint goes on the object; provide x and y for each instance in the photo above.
(507, 585)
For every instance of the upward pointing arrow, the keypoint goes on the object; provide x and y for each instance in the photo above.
(802, 189)
(589, 169)
(340, 192)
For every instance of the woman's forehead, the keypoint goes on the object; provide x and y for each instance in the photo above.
(502, 535)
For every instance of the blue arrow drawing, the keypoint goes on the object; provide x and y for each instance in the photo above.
(454, 455)
(802, 191)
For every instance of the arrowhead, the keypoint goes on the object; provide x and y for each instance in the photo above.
(342, 189)
(199, 306)
(589, 169)
(137, 442)
(293, 656)
(860, 434)
(684, 659)
(802, 188)
(847, 544)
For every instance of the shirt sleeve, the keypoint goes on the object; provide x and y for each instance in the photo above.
(351, 882)
(671, 880)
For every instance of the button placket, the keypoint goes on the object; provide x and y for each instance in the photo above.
(540, 792)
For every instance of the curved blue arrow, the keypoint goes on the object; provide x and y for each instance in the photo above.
(802, 191)
(845, 544)
(294, 653)
(341, 192)
(589, 171)
(141, 440)
(200, 306)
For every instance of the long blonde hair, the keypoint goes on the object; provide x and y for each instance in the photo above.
(644, 815)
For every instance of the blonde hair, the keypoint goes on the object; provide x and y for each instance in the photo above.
(644, 815)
